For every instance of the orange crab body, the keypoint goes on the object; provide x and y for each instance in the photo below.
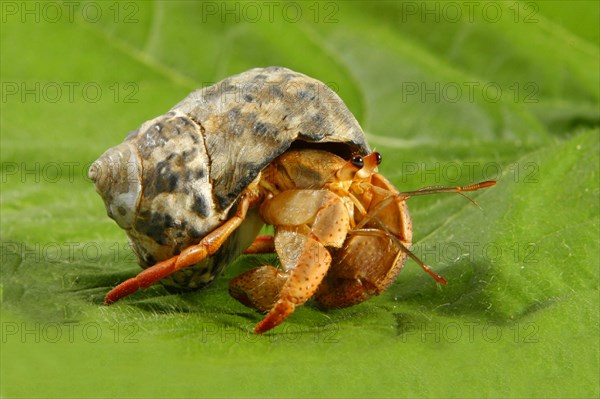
(316, 200)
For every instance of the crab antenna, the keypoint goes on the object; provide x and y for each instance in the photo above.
(444, 189)
(402, 247)
(419, 262)
(424, 191)
(414, 257)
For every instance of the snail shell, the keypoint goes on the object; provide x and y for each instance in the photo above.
(177, 177)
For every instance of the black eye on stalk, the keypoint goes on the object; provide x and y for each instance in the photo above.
(357, 161)
(377, 158)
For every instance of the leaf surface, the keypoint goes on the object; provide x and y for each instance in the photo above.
(508, 92)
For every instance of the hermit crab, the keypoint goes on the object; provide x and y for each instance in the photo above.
(192, 189)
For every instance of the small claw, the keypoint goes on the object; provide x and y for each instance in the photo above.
(276, 316)
(303, 280)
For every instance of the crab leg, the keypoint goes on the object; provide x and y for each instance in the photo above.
(304, 279)
(188, 257)
(364, 267)
(306, 222)
(261, 245)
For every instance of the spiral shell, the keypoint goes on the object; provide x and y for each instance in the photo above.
(178, 176)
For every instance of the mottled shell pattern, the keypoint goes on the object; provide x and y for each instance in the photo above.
(178, 176)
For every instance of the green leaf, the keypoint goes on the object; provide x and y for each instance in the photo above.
(450, 93)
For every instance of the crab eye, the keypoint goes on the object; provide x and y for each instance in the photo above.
(377, 158)
(357, 161)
